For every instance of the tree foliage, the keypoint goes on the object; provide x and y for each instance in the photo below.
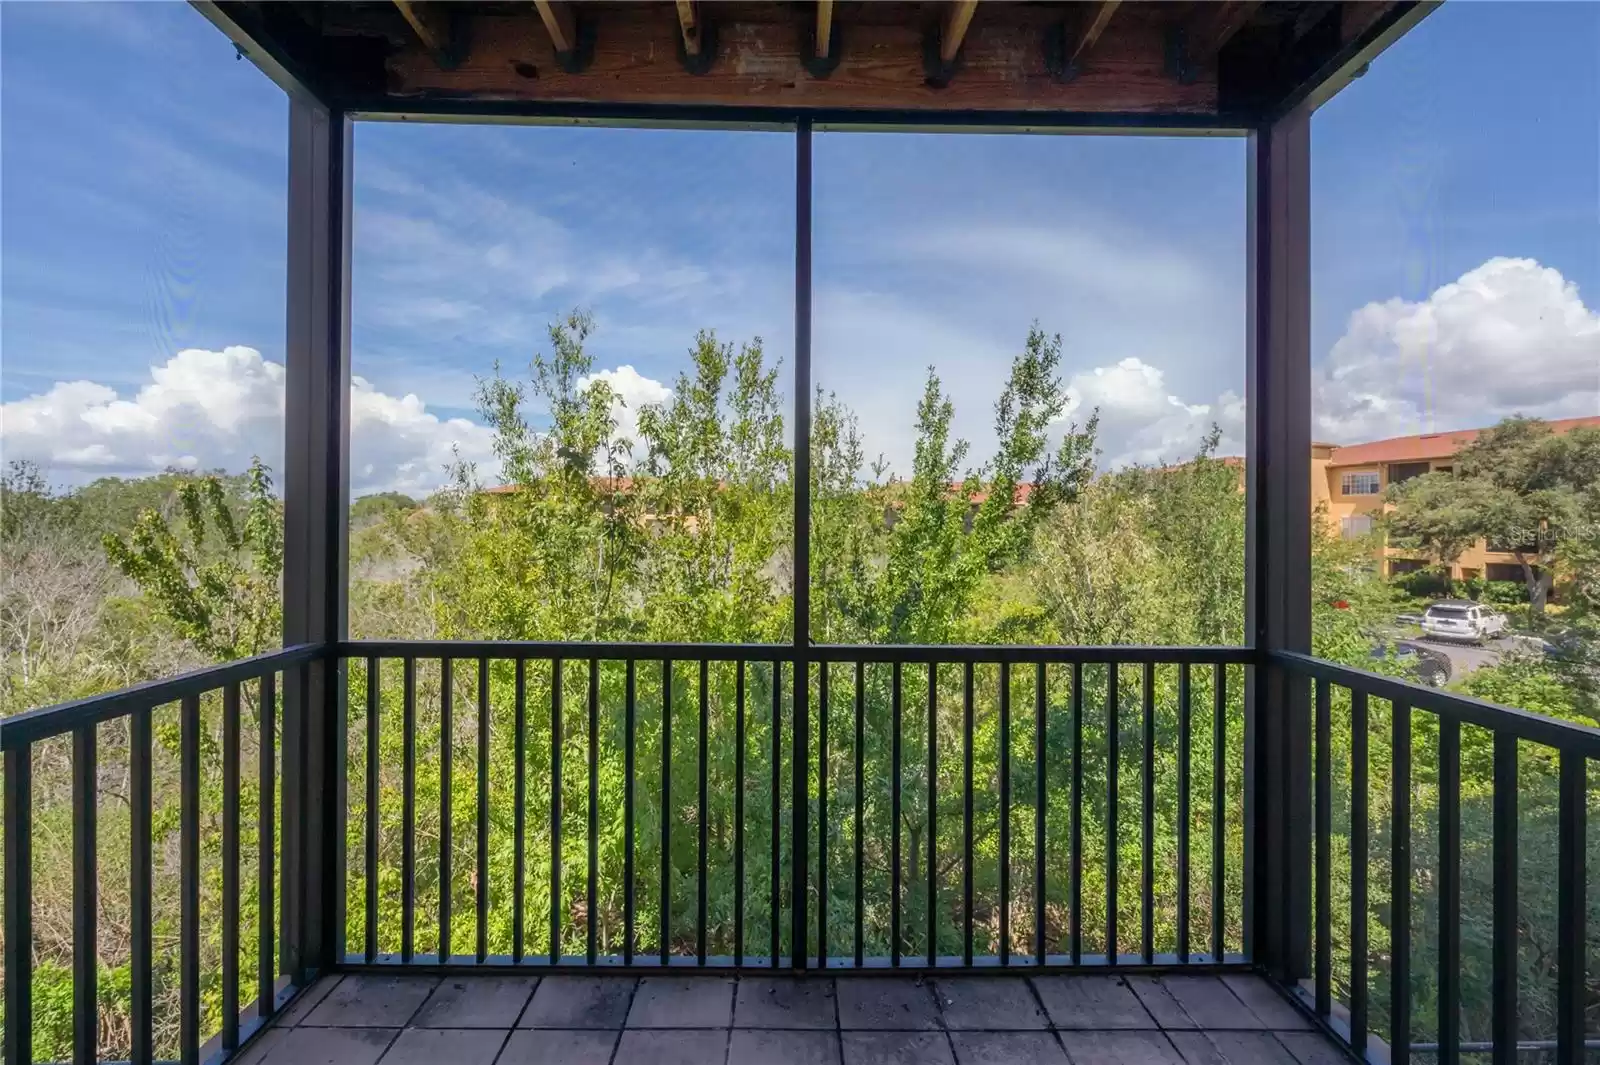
(215, 578)
(683, 531)
(1521, 487)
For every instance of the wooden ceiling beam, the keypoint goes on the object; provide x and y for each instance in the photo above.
(434, 26)
(689, 21)
(1088, 31)
(1308, 18)
(956, 20)
(1221, 22)
(638, 57)
(430, 24)
(560, 23)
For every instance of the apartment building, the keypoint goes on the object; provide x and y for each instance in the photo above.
(1351, 481)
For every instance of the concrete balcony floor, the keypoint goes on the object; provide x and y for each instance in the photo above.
(707, 1019)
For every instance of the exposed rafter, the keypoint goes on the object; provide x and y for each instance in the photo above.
(689, 22)
(956, 20)
(1220, 22)
(1309, 16)
(429, 23)
(824, 27)
(560, 23)
(1088, 31)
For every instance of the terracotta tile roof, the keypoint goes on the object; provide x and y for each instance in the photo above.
(601, 484)
(1428, 445)
(1023, 493)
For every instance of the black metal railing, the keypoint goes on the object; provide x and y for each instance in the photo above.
(1505, 739)
(208, 705)
(904, 860)
(646, 805)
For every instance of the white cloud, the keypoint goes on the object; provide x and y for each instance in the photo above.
(630, 390)
(1124, 301)
(1142, 421)
(217, 409)
(1510, 336)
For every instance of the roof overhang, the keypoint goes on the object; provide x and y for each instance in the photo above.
(1151, 67)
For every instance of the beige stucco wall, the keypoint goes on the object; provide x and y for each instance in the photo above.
(1325, 485)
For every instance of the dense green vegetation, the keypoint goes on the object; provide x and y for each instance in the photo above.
(684, 534)
(1524, 489)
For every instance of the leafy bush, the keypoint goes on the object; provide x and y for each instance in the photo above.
(1429, 583)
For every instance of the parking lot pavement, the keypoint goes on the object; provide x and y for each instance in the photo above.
(1466, 657)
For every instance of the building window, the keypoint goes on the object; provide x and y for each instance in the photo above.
(1398, 566)
(1404, 471)
(1359, 484)
(1355, 526)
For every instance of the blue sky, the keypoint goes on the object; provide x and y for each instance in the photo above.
(1456, 249)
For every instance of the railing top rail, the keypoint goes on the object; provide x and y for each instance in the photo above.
(1537, 728)
(762, 652)
(23, 729)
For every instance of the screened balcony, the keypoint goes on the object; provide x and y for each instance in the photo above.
(935, 853)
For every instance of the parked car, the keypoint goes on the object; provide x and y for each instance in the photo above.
(1458, 619)
(1425, 665)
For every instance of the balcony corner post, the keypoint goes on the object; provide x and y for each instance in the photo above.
(799, 794)
(1277, 883)
(315, 498)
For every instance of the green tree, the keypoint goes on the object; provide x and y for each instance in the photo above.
(1520, 485)
(216, 577)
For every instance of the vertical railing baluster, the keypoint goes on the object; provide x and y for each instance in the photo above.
(19, 903)
(738, 812)
(1573, 944)
(1449, 891)
(1185, 755)
(1147, 812)
(519, 822)
(933, 815)
(775, 897)
(408, 812)
(1219, 798)
(374, 756)
(293, 881)
(141, 956)
(630, 729)
(556, 743)
(446, 841)
(894, 814)
(189, 881)
(230, 866)
(85, 900)
(664, 946)
(1359, 858)
(1040, 949)
(966, 814)
(1400, 890)
(591, 915)
(1323, 831)
(1075, 843)
(1503, 971)
(481, 903)
(704, 837)
(824, 828)
(266, 829)
(860, 751)
(1005, 813)
(1113, 746)
(335, 674)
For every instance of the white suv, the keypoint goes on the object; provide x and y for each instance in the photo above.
(1461, 620)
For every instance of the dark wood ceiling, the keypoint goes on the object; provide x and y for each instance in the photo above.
(1223, 63)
